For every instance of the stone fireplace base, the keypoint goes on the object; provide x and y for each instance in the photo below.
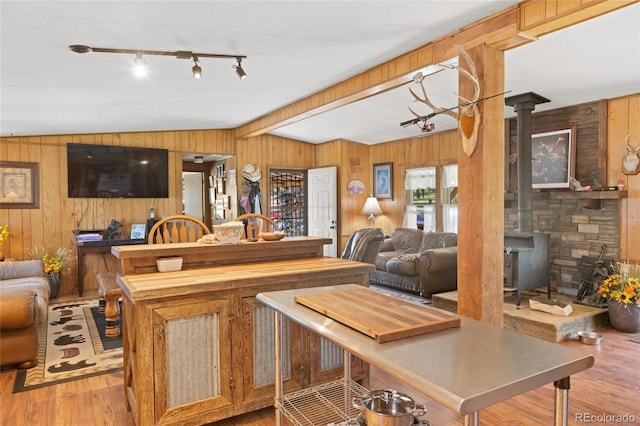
(539, 324)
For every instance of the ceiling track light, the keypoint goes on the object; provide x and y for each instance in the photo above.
(197, 70)
(239, 70)
(140, 66)
(180, 54)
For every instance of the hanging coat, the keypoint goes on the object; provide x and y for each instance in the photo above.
(251, 199)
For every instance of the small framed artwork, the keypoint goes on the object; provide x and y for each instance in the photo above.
(138, 231)
(18, 185)
(383, 181)
(355, 187)
(553, 156)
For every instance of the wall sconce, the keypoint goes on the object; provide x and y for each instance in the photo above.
(372, 208)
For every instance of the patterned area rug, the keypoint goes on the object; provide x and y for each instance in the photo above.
(75, 348)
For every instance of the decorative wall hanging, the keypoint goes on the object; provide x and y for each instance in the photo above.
(355, 187)
(553, 158)
(468, 115)
(383, 181)
(631, 160)
(18, 185)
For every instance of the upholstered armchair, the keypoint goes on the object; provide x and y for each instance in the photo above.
(363, 245)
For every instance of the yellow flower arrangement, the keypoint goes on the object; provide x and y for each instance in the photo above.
(4, 233)
(623, 285)
(58, 262)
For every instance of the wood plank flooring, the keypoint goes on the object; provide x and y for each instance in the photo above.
(611, 386)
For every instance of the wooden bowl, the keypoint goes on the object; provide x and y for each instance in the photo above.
(272, 236)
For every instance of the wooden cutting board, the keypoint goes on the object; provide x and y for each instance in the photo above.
(382, 317)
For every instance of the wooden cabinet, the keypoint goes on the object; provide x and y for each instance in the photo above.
(198, 346)
(190, 382)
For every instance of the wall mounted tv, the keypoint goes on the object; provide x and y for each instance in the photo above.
(104, 171)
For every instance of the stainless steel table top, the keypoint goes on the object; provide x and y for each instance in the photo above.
(464, 369)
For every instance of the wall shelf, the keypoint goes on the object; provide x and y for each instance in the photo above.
(587, 199)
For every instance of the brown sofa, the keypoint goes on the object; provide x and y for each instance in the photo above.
(417, 262)
(24, 300)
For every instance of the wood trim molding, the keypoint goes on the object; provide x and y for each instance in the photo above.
(539, 17)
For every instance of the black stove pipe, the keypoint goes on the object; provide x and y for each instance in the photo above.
(523, 105)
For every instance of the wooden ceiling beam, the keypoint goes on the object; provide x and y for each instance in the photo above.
(509, 28)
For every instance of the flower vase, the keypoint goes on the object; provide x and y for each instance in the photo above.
(54, 283)
(624, 317)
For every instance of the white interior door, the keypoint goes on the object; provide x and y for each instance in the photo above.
(193, 194)
(322, 214)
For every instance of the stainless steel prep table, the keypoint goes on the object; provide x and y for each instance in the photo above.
(464, 369)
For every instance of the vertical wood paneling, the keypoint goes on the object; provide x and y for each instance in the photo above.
(51, 225)
(623, 120)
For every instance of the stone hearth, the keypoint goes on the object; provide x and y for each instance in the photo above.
(536, 323)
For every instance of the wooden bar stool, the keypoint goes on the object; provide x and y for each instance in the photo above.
(110, 292)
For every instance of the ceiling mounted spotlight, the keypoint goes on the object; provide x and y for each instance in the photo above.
(239, 70)
(140, 66)
(197, 70)
(181, 54)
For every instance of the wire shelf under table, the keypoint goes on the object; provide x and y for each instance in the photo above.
(323, 404)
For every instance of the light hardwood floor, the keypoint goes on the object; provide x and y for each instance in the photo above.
(611, 386)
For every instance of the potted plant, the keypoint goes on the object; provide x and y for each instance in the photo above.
(4, 235)
(55, 264)
(622, 290)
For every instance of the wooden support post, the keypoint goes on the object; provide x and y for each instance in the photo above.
(481, 197)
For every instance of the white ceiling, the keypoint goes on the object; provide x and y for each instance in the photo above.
(293, 49)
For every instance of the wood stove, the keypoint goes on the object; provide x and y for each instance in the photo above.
(526, 263)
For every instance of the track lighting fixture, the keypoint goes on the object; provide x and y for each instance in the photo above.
(239, 70)
(180, 54)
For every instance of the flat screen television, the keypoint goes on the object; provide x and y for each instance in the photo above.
(104, 171)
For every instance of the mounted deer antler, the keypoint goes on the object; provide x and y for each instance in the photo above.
(468, 116)
(631, 160)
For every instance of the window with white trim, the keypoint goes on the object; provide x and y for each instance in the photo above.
(432, 198)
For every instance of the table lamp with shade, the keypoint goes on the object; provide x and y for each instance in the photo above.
(372, 208)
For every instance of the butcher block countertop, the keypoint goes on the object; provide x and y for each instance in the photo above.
(234, 276)
(382, 317)
(141, 258)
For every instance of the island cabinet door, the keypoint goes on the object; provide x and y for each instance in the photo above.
(192, 361)
(258, 330)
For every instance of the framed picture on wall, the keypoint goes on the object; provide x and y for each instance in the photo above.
(553, 157)
(383, 181)
(18, 185)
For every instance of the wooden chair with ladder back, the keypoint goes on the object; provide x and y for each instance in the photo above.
(255, 223)
(177, 229)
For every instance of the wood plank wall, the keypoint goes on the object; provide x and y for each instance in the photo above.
(623, 120)
(52, 223)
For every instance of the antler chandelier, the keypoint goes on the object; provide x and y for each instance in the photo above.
(180, 54)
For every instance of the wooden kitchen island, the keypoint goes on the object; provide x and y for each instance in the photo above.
(198, 346)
